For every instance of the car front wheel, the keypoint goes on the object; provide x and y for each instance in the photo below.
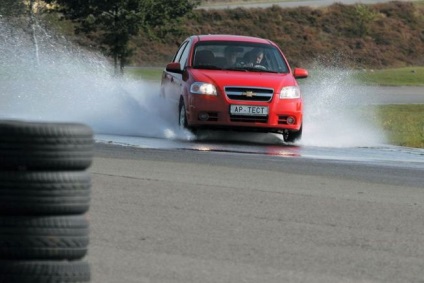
(293, 136)
(182, 119)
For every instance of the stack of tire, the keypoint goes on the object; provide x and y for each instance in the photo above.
(44, 200)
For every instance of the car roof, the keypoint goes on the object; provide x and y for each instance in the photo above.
(229, 37)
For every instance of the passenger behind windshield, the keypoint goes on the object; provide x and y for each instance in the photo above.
(204, 58)
(230, 54)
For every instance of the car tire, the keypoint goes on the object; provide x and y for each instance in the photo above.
(182, 115)
(293, 136)
(182, 118)
(43, 238)
(44, 271)
(44, 193)
(45, 146)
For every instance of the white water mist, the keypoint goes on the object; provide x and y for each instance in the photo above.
(69, 84)
(334, 114)
(72, 84)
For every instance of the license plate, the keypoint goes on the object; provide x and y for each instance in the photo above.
(249, 110)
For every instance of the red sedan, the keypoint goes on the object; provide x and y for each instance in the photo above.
(231, 82)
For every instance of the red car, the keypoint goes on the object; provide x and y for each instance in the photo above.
(231, 82)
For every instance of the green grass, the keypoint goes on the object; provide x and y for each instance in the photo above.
(408, 76)
(404, 124)
(144, 73)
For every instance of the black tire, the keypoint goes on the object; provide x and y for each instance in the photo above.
(182, 118)
(44, 193)
(44, 271)
(43, 238)
(182, 115)
(49, 146)
(293, 136)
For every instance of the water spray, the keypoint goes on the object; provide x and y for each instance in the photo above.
(335, 115)
(72, 84)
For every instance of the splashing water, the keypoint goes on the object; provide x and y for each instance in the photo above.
(73, 85)
(334, 112)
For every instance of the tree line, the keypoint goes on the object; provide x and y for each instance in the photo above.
(112, 22)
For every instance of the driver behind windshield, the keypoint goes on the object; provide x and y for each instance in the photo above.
(254, 57)
(258, 56)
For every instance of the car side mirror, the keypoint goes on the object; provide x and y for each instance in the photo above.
(300, 73)
(174, 67)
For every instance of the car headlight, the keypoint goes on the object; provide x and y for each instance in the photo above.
(203, 88)
(290, 92)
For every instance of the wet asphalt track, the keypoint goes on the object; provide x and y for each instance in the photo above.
(271, 144)
(220, 209)
(241, 215)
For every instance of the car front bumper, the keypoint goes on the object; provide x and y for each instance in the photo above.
(214, 112)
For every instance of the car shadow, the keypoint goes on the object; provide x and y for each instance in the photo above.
(238, 137)
(244, 142)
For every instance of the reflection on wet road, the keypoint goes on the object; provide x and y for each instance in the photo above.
(270, 144)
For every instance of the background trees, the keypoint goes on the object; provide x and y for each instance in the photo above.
(144, 32)
(111, 24)
(11, 8)
(18, 13)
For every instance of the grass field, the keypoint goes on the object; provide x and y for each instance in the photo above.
(144, 73)
(409, 76)
(404, 124)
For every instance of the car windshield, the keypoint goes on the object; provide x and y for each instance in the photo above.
(238, 56)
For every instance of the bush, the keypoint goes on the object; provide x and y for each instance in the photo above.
(356, 36)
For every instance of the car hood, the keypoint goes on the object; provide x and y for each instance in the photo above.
(251, 79)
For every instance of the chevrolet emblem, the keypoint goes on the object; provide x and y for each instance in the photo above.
(248, 93)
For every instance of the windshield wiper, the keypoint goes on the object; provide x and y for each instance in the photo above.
(207, 67)
(255, 69)
(242, 69)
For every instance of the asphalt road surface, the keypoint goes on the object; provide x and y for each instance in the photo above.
(167, 215)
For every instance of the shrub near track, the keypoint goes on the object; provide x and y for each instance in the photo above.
(359, 36)
(356, 36)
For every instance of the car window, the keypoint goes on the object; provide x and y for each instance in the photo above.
(180, 51)
(184, 56)
(238, 56)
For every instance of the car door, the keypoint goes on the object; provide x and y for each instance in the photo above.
(171, 86)
(179, 86)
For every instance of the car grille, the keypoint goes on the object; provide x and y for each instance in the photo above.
(249, 119)
(249, 93)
